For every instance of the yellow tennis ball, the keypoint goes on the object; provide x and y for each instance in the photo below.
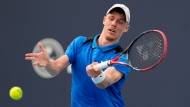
(15, 93)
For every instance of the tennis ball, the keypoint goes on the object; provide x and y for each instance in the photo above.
(15, 93)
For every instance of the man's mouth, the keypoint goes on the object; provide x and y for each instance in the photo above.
(112, 30)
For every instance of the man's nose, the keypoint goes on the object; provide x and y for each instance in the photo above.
(114, 23)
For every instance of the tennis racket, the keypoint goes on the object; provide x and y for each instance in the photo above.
(145, 52)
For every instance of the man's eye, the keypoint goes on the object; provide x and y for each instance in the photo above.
(121, 21)
(111, 18)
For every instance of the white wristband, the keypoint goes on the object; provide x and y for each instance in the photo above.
(99, 78)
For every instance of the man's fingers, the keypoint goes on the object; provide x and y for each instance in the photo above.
(30, 54)
(35, 63)
(38, 64)
(30, 58)
(41, 46)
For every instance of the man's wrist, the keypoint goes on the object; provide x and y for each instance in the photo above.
(99, 78)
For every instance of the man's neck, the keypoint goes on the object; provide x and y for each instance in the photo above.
(103, 41)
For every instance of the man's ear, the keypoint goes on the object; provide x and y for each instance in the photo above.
(104, 18)
(127, 28)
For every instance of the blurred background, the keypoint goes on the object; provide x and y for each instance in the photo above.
(23, 23)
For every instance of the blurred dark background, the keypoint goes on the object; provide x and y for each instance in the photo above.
(23, 23)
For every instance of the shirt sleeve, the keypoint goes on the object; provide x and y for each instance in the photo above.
(74, 46)
(124, 69)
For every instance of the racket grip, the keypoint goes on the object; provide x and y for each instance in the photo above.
(103, 65)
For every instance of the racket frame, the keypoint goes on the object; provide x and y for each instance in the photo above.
(127, 50)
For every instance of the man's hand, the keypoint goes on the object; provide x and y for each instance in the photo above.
(41, 59)
(93, 71)
(106, 78)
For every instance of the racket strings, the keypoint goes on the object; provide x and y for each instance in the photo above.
(147, 50)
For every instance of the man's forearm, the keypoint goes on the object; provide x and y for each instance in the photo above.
(52, 68)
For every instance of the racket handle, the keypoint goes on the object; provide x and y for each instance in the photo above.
(103, 65)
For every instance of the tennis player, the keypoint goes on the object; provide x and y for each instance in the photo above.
(92, 86)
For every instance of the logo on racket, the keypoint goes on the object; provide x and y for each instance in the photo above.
(54, 50)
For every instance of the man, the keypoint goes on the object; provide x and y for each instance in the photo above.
(91, 86)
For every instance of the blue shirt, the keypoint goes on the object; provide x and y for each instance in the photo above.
(84, 92)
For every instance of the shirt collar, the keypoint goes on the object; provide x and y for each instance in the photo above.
(103, 48)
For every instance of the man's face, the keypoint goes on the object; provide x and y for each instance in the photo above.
(114, 25)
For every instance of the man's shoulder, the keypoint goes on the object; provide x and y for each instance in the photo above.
(88, 39)
(80, 38)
